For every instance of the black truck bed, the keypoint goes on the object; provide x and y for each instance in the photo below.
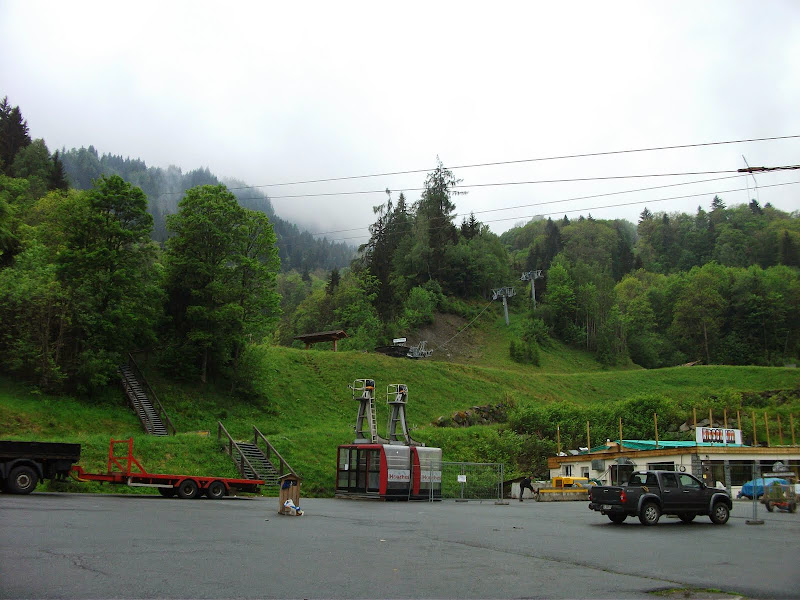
(39, 450)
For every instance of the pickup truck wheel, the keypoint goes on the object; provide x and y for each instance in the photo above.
(770, 506)
(687, 518)
(617, 518)
(216, 490)
(168, 492)
(720, 513)
(650, 514)
(22, 480)
(188, 490)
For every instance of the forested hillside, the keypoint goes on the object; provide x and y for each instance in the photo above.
(298, 250)
(82, 282)
(719, 287)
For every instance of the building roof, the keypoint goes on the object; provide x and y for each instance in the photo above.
(322, 336)
(661, 444)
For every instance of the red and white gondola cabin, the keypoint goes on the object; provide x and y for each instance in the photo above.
(389, 471)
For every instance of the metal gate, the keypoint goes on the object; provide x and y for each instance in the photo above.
(463, 481)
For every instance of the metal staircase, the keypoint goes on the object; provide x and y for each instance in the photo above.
(257, 466)
(146, 405)
(257, 459)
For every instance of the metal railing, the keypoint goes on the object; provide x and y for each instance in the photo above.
(242, 459)
(284, 467)
(155, 402)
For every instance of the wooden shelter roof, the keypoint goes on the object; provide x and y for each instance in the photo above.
(322, 336)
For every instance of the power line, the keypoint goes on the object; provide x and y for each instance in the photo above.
(523, 160)
(591, 196)
(534, 182)
(591, 208)
(513, 162)
(478, 212)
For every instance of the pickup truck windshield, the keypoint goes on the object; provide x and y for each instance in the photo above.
(639, 479)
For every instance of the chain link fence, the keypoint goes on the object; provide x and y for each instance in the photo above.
(463, 481)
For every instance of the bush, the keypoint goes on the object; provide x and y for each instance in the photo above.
(536, 331)
(418, 308)
(524, 352)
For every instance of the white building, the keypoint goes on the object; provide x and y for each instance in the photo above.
(717, 464)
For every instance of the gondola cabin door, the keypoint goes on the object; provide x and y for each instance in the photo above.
(359, 470)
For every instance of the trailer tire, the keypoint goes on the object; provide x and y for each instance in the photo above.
(649, 514)
(216, 490)
(22, 480)
(168, 492)
(188, 490)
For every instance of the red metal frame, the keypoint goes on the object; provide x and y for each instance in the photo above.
(130, 460)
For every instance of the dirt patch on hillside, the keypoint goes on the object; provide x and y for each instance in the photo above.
(444, 331)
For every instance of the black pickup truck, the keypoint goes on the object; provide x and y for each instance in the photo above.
(24, 464)
(649, 494)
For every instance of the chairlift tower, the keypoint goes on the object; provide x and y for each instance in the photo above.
(532, 276)
(366, 422)
(396, 398)
(504, 292)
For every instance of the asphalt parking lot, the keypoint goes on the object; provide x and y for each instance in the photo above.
(113, 546)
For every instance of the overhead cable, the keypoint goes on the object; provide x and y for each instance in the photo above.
(591, 208)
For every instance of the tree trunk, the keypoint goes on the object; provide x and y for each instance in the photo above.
(705, 338)
(205, 366)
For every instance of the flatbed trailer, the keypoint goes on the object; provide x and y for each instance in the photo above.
(126, 470)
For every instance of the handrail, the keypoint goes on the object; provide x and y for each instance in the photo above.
(231, 445)
(161, 412)
(271, 449)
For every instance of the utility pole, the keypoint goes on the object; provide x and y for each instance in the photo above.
(504, 292)
(532, 276)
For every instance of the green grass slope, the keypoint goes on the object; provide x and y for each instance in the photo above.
(308, 409)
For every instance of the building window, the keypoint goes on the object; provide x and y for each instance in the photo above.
(568, 470)
(585, 472)
(661, 466)
(741, 471)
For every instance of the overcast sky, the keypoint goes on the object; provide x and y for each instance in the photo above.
(279, 92)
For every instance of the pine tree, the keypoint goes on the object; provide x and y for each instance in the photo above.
(58, 177)
(13, 133)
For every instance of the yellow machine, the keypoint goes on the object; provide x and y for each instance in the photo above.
(566, 482)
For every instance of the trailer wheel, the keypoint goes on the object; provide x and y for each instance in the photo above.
(650, 514)
(168, 492)
(216, 490)
(22, 480)
(188, 490)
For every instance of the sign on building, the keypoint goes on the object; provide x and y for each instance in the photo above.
(718, 435)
